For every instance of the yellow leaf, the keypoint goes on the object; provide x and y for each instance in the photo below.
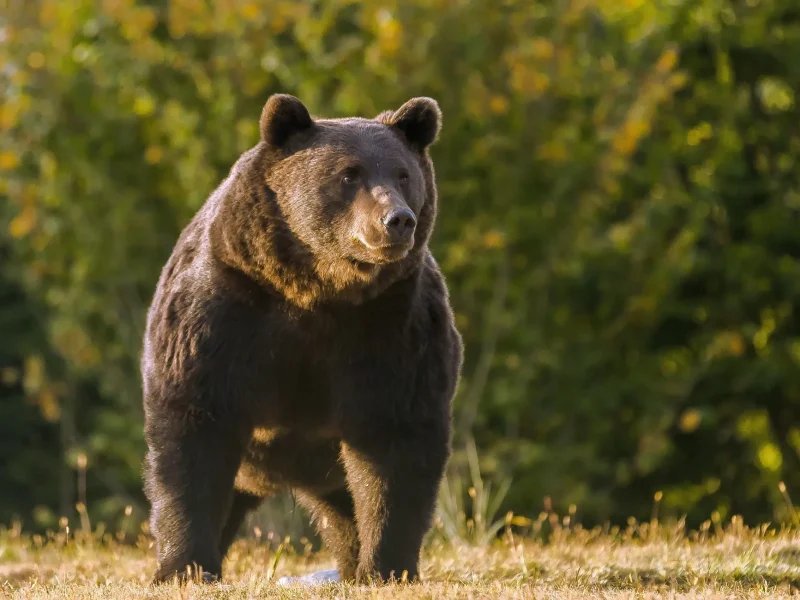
(389, 36)
(690, 420)
(699, 134)
(117, 8)
(493, 239)
(36, 60)
(49, 406)
(620, 235)
(770, 457)
(21, 78)
(542, 48)
(776, 94)
(554, 150)
(278, 24)
(146, 19)
(144, 105)
(153, 154)
(47, 12)
(527, 80)
(667, 60)
(627, 139)
(8, 116)
(33, 378)
(48, 165)
(8, 160)
(23, 223)
(250, 11)
(736, 344)
(498, 105)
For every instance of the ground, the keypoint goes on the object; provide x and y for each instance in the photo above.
(643, 561)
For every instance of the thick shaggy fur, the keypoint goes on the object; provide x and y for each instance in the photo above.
(293, 342)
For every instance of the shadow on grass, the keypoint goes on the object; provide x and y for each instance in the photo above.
(626, 578)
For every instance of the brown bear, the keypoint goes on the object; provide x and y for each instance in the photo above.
(301, 336)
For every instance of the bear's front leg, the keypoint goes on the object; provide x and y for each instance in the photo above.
(394, 475)
(191, 466)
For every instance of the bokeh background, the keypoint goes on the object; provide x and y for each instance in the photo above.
(619, 229)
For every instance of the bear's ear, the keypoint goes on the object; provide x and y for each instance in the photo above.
(419, 120)
(283, 115)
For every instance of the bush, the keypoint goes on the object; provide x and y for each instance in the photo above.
(618, 218)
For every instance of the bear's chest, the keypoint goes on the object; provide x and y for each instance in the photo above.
(295, 381)
(312, 364)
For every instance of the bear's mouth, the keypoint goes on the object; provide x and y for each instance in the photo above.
(382, 254)
(373, 264)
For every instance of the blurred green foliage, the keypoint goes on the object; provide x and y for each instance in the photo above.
(619, 226)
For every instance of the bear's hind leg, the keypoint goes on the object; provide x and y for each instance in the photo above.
(242, 504)
(333, 514)
(311, 468)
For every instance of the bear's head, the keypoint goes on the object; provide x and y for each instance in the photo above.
(334, 208)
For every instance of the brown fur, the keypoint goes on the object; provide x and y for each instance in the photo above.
(297, 339)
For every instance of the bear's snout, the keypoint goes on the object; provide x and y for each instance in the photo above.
(386, 229)
(388, 236)
(400, 224)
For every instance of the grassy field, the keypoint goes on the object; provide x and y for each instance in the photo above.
(643, 561)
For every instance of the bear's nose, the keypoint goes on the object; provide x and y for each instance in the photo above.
(400, 223)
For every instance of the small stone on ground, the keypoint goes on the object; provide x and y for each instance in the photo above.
(318, 578)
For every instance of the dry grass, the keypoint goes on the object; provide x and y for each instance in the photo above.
(644, 561)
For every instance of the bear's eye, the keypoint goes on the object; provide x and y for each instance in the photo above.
(403, 177)
(350, 178)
